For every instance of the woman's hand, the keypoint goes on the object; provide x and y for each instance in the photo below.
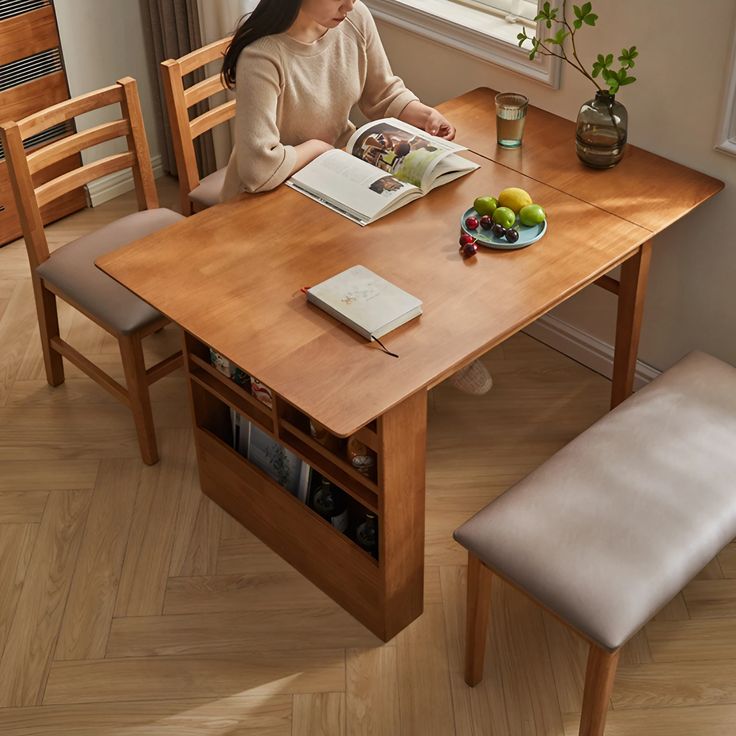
(437, 124)
(427, 118)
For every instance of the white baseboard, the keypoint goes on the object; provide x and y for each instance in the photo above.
(118, 183)
(584, 348)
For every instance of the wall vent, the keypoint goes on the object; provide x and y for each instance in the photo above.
(33, 67)
(9, 8)
(45, 136)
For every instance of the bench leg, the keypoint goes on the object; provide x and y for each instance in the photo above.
(477, 614)
(599, 677)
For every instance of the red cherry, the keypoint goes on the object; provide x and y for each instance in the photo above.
(469, 250)
(471, 223)
(486, 222)
(465, 239)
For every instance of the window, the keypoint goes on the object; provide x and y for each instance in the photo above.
(726, 136)
(511, 9)
(485, 29)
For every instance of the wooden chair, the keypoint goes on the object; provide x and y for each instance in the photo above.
(70, 272)
(195, 194)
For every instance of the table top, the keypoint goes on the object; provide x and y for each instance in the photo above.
(231, 275)
(643, 188)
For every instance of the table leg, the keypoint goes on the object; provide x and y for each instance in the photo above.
(402, 464)
(632, 290)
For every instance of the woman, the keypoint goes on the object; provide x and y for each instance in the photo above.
(298, 67)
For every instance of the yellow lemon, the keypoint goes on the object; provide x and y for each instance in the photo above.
(514, 198)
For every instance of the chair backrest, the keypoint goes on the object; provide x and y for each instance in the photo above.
(24, 166)
(179, 101)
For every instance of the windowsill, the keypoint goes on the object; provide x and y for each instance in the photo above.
(482, 35)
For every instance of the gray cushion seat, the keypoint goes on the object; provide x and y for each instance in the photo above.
(72, 270)
(207, 194)
(615, 524)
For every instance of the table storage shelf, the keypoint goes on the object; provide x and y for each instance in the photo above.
(332, 560)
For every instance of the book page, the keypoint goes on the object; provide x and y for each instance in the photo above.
(352, 187)
(400, 149)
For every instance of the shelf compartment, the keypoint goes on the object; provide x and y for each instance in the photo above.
(208, 391)
(336, 470)
(230, 393)
(327, 557)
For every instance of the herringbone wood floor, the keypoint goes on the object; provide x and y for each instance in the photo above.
(131, 605)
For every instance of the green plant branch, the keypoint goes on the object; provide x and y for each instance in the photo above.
(572, 31)
(566, 29)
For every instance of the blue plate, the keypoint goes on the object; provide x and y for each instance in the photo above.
(527, 235)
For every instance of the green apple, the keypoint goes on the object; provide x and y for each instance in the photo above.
(531, 215)
(485, 205)
(504, 216)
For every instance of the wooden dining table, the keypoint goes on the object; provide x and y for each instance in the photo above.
(231, 277)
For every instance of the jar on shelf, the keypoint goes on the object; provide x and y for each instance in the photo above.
(361, 457)
(366, 535)
(320, 433)
(331, 504)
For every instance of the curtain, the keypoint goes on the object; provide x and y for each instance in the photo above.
(219, 18)
(176, 30)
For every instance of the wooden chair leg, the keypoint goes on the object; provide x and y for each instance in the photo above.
(48, 325)
(477, 615)
(131, 352)
(599, 677)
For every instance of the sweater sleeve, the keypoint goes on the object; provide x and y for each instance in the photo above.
(384, 94)
(263, 162)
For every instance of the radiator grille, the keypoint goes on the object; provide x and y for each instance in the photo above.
(9, 8)
(30, 68)
(45, 136)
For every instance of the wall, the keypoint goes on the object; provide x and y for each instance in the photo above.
(674, 111)
(102, 41)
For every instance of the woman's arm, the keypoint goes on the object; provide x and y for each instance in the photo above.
(307, 152)
(427, 118)
(263, 161)
(385, 94)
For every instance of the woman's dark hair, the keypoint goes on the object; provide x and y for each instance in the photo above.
(269, 17)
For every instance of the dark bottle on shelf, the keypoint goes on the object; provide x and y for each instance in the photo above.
(366, 535)
(331, 504)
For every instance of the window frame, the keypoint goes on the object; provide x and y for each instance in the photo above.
(726, 134)
(413, 16)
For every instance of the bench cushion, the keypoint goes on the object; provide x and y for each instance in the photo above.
(72, 270)
(615, 524)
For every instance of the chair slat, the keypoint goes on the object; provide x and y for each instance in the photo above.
(205, 55)
(69, 109)
(62, 184)
(202, 90)
(210, 119)
(76, 143)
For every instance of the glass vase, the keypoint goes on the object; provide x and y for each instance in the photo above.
(601, 131)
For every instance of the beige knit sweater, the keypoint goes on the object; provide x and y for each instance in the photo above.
(289, 92)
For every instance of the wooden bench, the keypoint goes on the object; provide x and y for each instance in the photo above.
(614, 525)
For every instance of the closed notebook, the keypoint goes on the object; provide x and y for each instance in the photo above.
(365, 302)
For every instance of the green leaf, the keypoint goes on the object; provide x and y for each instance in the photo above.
(628, 80)
(577, 23)
(587, 7)
(609, 60)
(578, 12)
(590, 19)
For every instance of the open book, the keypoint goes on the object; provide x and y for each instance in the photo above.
(387, 164)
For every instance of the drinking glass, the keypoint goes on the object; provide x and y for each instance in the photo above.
(510, 117)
